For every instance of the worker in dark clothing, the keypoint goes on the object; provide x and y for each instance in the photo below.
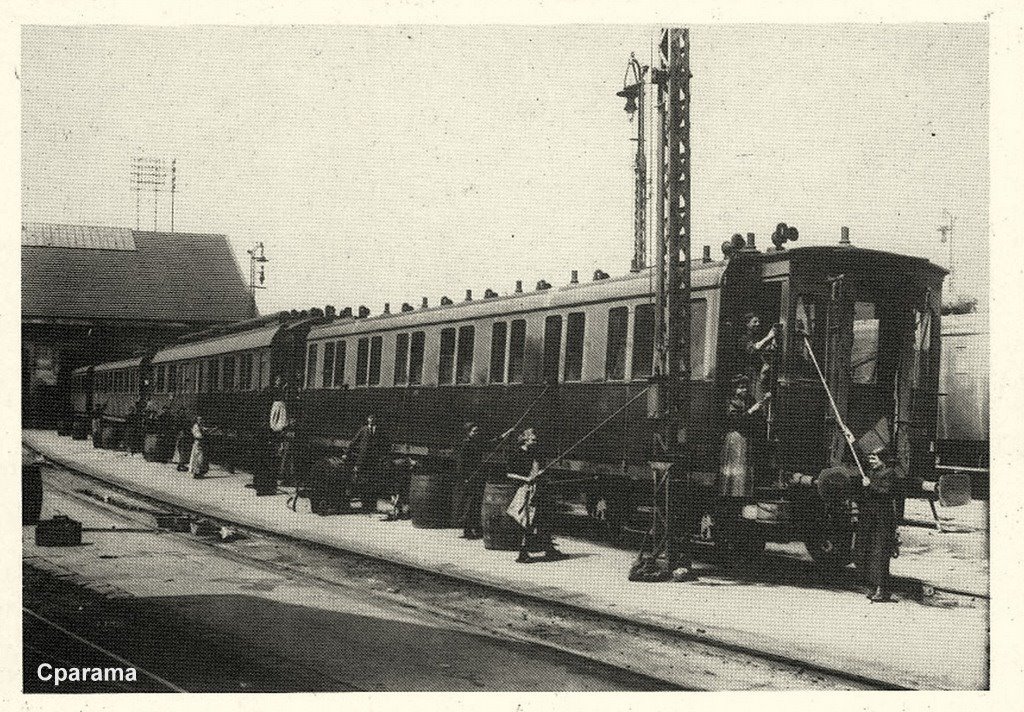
(368, 455)
(533, 504)
(133, 430)
(469, 471)
(876, 526)
(755, 350)
(743, 421)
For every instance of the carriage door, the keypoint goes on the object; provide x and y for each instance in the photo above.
(838, 344)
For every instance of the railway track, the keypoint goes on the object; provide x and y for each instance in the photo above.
(658, 657)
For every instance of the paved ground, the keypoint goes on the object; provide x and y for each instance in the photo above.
(906, 643)
(207, 623)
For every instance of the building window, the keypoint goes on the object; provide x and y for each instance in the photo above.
(339, 364)
(643, 341)
(498, 336)
(416, 357)
(376, 343)
(362, 360)
(311, 360)
(575, 329)
(401, 359)
(516, 351)
(552, 348)
(229, 372)
(213, 375)
(467, 340)
(615, 357)
(327, 380)
(446, 361)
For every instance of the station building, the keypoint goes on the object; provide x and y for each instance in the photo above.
(92, 294)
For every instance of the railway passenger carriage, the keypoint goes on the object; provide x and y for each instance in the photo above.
(857, 327)
(572, 361)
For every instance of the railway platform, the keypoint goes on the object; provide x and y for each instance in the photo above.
(939, 646)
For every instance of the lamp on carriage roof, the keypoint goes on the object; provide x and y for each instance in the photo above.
(364, 311)
(469, 295)
(387, 307)
(574, 277)
(406, 307)
(844, 236)
(600, 274)
(425, 303)
(445, 301)
(519, 286)
(543, 284)
(490, 294)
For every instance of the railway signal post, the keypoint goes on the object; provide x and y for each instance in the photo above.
(668, 400)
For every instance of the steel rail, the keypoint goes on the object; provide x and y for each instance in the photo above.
(786, 663)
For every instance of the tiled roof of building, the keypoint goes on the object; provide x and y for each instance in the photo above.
(108, 273)
(86, 237)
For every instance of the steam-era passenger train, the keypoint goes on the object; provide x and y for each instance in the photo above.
(573, 362)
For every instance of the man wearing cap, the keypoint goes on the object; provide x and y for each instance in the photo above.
(876, 525)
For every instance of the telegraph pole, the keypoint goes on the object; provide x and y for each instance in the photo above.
(669, 397)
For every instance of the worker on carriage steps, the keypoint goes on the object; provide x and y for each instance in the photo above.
(532, 505)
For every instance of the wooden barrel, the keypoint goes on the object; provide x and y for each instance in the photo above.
(500, 530)
(80, 429)
(153, 448)
(31, 493)
(430, 499)
(108, 437)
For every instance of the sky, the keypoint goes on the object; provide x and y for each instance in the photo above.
(386, 163)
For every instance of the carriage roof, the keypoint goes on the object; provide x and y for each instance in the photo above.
(705, 276)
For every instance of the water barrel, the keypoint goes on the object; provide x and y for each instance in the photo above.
(108, 437)
(31, 493)
(153, 448)
(430, 499)
(80, 429)
(500, 530)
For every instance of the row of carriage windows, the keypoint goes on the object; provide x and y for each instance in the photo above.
(121, 381)
(508, 351)
(235, 372)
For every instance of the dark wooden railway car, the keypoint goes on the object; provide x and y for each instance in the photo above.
(119, 385)
(572, 361)
(226, 374)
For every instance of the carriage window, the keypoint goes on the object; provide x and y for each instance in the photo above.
(416, 358)
(498, 335)
(248, 382)
(311, 360)
(698, 336)
(375, 347)
(172, 377)
(213, 375)
(446, 361)
(339, 364)
(808, 315)
(922, 346)
(328, 378)
(575, 329)
(643, 341)
(467, 335)
(516, 351)
(552, 348)
(615, 358)
(362, 361)
(401, 359)
(864, 357)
